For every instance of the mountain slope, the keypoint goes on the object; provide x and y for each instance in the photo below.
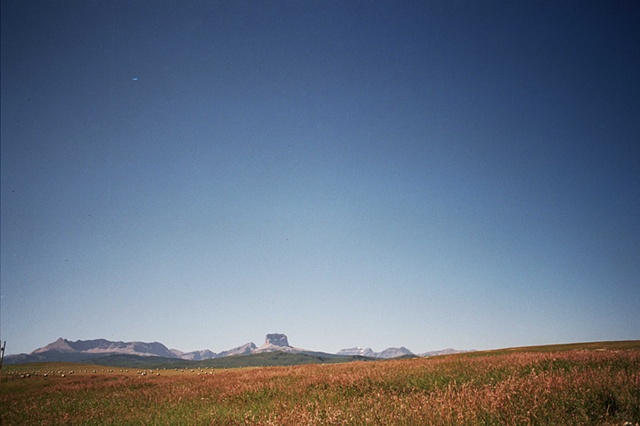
(263, 359)
(103, 346)
(368, 352)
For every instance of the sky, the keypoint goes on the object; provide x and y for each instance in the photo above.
(350, 173)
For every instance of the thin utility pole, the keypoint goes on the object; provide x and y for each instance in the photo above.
(4, 345)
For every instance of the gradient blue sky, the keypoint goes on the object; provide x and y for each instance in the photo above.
(429, 174)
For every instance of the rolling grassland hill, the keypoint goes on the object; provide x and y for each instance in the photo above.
(575, 384)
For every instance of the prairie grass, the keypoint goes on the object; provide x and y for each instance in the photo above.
(574, 387)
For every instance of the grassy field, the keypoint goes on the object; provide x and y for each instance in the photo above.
(597, 384)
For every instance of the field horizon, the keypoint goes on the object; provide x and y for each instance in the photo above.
(574, 384)
(277, 358)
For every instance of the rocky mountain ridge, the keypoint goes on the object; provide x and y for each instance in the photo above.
(103, 346)
(66, 350)
(368, 352)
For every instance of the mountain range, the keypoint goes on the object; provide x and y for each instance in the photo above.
(63, 350)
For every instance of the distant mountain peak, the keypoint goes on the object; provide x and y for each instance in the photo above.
(277, 339)
(245, 349)
(61, 345)
(103, 346)
(278, 342)
(368, 352)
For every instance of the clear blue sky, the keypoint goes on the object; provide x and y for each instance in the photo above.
(429, 174)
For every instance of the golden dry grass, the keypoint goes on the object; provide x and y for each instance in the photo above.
(576, 387)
